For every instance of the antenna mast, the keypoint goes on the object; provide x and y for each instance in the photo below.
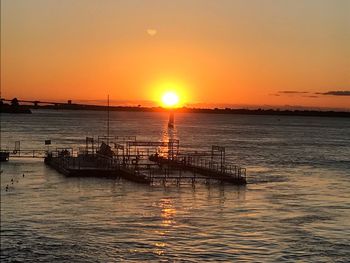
(108, 119)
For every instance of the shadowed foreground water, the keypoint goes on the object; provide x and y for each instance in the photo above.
(295, 207)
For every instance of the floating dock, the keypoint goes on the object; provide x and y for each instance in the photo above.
(145, 162)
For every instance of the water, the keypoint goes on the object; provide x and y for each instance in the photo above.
(295, 207)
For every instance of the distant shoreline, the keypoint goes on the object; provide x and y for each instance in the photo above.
(5, 108)
(276, 112)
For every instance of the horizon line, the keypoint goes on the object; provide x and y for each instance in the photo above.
(198, 105)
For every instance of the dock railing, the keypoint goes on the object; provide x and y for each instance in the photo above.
(149, 163)
(208, 165)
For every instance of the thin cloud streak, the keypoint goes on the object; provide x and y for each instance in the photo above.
(335, 93)
(293, 92)
(311, 96)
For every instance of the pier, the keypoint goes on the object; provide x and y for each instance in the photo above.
(149, 162)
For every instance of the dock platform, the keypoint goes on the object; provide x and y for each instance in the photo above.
(145, 162)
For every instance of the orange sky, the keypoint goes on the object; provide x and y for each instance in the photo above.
(213, 53)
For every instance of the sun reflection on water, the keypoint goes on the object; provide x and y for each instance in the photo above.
(167, 212)
(165, 136)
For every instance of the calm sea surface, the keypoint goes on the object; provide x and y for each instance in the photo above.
(296, 206)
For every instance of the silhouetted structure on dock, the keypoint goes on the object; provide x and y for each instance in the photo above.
(145, 162)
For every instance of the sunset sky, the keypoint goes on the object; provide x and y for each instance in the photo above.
(212, 53)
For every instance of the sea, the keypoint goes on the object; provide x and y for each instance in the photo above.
(295, 207)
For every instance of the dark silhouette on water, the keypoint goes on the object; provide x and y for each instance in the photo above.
(14, 103)
(171, 120)
(4, 155)
(14, 107)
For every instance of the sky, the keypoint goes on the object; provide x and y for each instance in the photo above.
(212, 53)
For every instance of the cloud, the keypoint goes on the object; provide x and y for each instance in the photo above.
(311, 96)
(336, 93)
(292, 92)
(152, 32)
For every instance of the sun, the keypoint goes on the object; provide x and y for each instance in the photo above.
(170, 99)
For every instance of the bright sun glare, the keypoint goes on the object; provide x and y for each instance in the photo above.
(170, 99)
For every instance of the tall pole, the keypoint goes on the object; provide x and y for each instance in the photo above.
(108, 119)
